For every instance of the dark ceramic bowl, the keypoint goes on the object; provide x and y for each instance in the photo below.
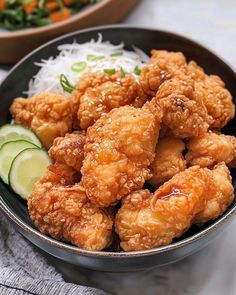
(15, 208)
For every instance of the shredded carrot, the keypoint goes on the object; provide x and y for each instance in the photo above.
(30, 6)
(52, 5)
(60, 15)
(3, 4)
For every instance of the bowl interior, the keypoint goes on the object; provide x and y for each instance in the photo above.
(17, 82)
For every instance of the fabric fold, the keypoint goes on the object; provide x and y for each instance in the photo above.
(23, 270)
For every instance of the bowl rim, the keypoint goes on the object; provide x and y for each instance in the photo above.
(108, 254)
(51, 27)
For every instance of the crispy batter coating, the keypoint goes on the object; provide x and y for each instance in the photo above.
(216, 98)
(183, 116)
(179, 86)
(119, 148)
(168, 73)
(219, 199)
(210, 149)
(183, 87)
(49, 115)
(147, 220)
(168, 160)
(62, 210)
(163, 65)
(88, 80)
(98, 93)
(69, 149)
(195, 71)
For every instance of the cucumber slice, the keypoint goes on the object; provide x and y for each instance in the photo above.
(8, 152)
(26, 169)
(10, 132)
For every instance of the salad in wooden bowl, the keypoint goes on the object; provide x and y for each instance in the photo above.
(26, 24)
(18, 14)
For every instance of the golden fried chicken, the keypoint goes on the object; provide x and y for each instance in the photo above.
(98, 93)
(216, 98)
(62, 210)
(168, 160)
(69, 149)
(118, 150)
(195, 72)
(182, 85)
(184, 117)
(179, 86)
(220, 197)
(163, 65)
(49, 115)
(168, 73)
(147, 220)
(210, 149)
(88, 80)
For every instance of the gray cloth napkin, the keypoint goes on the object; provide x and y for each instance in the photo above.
(23, 270)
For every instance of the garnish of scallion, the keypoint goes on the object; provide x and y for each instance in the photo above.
(65, 84)
(137, 71)
(79, 67)
(60, 3)
(109, 71)
(122, 72)
(118, 53)
(91, 57)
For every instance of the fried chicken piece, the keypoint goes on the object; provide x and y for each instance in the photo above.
(98, 93)
(216, 98)
(49, 115)
(62, 210)
(69, 149)
(184, 117)
(118, 150)
(179, 86)
(147, 220)
(168, 160)
(221, 197)
(184, 88)
(210, 149)
(195, 72)
(88, 80)
(184, 114)
(163, 65)
(168, 73)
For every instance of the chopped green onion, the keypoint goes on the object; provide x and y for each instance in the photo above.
(60, 3)
(122, 72)
(137, 71)
(65, 84)
(92, 57)
(118, 53)
(79, 66)
(42, 22)
(41, 3)
(109, 71)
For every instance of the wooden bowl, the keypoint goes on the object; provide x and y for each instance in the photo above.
(14, 45)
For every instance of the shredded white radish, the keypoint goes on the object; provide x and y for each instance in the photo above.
(75, 59)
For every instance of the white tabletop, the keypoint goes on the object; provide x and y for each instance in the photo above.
(213, 270)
